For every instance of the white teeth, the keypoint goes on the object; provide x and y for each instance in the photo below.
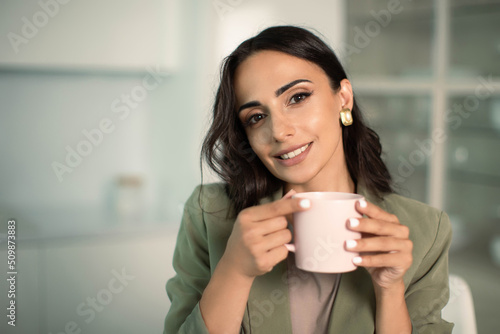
(293, 154)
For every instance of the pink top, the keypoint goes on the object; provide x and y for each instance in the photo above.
(311, 298)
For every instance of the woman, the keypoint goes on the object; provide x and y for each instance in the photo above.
(285, 121)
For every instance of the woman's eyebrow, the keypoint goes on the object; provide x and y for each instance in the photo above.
(249, 105)
(283, 89)
(278, 92)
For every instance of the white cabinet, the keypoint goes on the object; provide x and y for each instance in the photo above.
(101, 284)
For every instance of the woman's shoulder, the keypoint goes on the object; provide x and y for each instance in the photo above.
(209, 197)
(406, 205)
(422, 219)
(430, 232)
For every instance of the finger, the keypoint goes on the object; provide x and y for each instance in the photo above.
(373, 211)
(271, 225)
(276, 239)
(382, 244)
(290, 194)
(378, 227)
(277, 254)
(280, 207)
(269, 259)
(401, 260)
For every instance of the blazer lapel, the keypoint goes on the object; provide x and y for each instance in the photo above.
(354, 306)
(268, 309)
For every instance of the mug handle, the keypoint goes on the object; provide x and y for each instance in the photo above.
(290, 247)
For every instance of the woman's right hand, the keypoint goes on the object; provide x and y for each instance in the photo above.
(259, 233)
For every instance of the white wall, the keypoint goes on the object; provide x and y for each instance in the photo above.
(70, 76)
(246, 18)
(96, 34)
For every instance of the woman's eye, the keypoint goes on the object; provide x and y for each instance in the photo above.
(299, 97)
(254, 119)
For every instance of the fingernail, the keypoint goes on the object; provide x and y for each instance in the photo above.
(362, 203)
(351, 243)
(357, 260)
(353, 222)
(305, 203)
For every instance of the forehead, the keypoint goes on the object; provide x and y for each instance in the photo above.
(269, 70)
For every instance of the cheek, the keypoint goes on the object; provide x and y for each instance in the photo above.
(321, 115)
(328, 121)
(259, 138)
(259, 144)
(322, 124)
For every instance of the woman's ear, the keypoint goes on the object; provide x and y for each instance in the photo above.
(345, 94)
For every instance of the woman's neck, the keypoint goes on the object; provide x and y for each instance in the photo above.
(340, 183)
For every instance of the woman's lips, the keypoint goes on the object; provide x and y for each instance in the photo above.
(294, 153)
(291, 158)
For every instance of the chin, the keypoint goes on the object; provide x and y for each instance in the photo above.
(295, 180)
(298, 176)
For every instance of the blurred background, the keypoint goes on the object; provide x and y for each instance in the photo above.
(104, 105)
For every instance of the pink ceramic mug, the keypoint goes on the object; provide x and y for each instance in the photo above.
(320, 232)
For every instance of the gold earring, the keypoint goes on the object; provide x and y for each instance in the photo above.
(346, 116)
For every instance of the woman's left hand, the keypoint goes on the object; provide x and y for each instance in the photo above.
(385, 248)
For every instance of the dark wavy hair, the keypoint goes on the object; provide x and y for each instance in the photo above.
(226, 148)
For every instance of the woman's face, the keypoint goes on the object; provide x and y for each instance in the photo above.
(291, 117)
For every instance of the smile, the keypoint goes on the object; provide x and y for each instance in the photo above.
(294, 153)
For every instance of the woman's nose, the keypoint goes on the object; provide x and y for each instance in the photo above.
(281, 127)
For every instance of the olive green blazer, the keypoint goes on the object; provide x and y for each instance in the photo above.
(203, 236)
